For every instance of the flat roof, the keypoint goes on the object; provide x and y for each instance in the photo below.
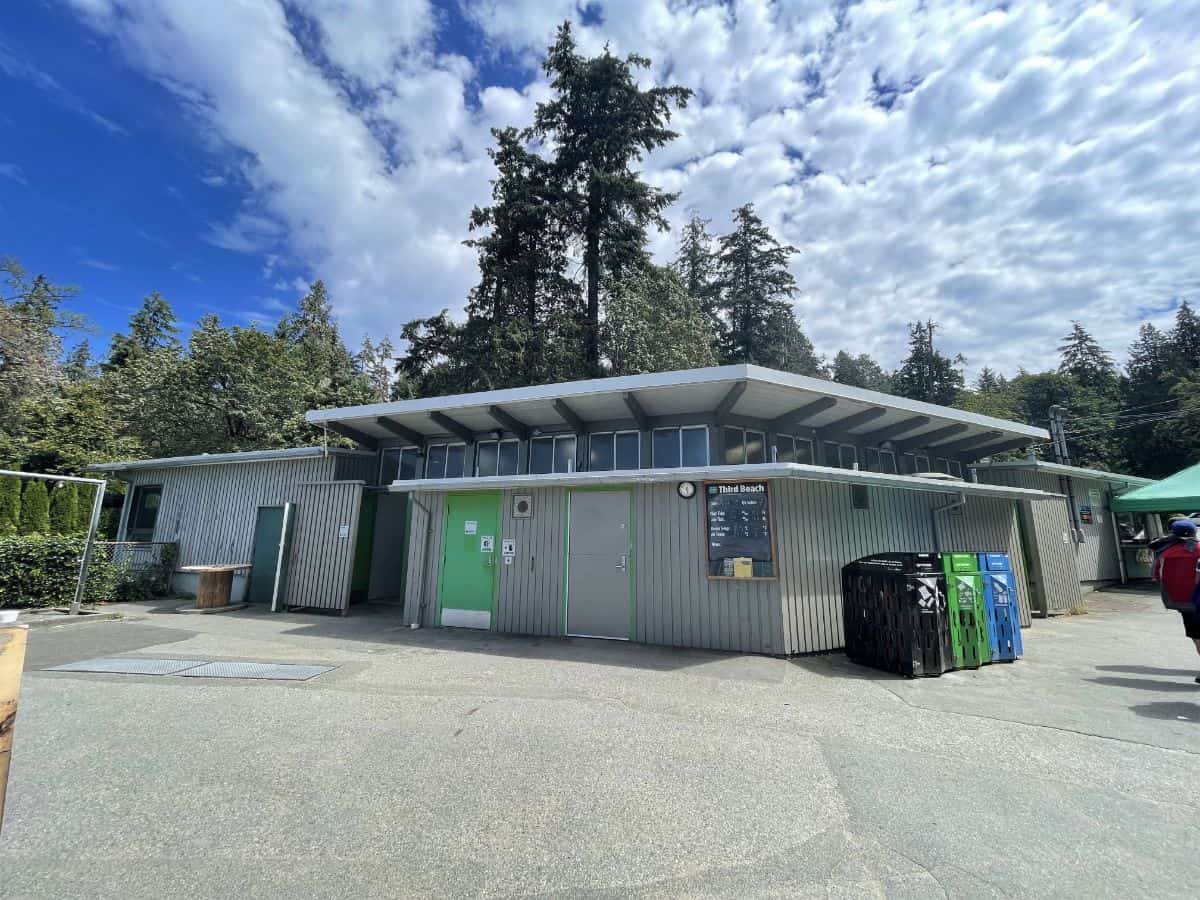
(1053, 468)
(215, 459)
(781, 398)
(753, 472)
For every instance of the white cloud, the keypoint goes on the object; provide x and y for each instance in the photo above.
(13, 172)
(999, 170)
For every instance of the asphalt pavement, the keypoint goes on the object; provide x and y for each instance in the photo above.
(450, 763)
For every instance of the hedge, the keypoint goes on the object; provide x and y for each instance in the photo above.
(41, 570)
(35, 509)
(63, 508)
(10, 505)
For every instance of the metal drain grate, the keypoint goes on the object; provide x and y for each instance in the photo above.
(130, 666)
(267, 671)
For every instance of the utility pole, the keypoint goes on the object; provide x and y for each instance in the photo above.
(1058, 436)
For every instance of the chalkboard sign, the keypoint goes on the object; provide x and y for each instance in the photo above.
(738, 516)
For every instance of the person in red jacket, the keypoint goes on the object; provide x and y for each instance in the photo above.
(1177, 571)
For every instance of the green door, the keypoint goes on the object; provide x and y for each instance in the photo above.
(467, 589)
(268, 536)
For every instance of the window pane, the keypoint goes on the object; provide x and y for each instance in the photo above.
(390, 470)
(695, 446)
(629, 445)
(145, 512)
(943, 465)
(872, 459)
(804, 451)
(600, 455)
(666, 448)
(830, 451)
(785, 449)
(887, 462)
(956, 468)
(509, 454)
(456, 456)
(410, 463)
(848, 456)
(735, 451)
(922, 463)
(485, 458)
(436, 466)
(756, 447)
(564, 454)
(541, 455)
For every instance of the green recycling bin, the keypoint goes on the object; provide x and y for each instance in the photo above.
(967, 610)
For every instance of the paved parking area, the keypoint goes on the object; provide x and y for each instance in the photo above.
(450, 763)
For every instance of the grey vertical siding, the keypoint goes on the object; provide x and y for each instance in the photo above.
(359, 467)
(321, 562)
(210, 510)
(424, 557)
(992, 525)
(676, 604)
(1053, 568)
(529, 594)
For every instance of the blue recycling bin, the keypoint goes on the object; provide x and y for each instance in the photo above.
(1000, 602)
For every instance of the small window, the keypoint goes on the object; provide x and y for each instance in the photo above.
(910, 464)
(143, 512)
(552, 454)
(860, 496)
(735, 446)
(756, 447)
(608, 451)
(446, 461)
(629, 450)
(887, 462)
(942, 465)
(793, 449)
(848, 456)
(872, 459)
(400, 464)
(956, 468)
(922, 463)
(674, 447)
(829, 451)
(496, 458)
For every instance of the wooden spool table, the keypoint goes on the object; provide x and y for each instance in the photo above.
(216, 584)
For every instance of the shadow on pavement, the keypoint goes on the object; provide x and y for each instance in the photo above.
(1150, 670)
(1174, 712)
(1146, 684)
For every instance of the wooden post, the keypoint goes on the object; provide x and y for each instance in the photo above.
(215, 588)
(12, 660)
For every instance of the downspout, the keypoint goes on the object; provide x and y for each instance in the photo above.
(933, 518)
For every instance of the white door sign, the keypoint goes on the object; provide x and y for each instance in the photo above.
(470, 527)
(508, 546)
(487, 544)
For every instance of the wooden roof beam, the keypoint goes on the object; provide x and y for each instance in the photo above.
(921, 441)
(801, 414)
(359, 437)
(636, 410)
(508, 420)
(887, 432)
(853, 421)
(988, 437)
(569, 416)
(458, 429)
(725, 407)
(401, 431)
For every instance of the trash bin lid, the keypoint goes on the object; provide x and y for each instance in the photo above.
(995, 562)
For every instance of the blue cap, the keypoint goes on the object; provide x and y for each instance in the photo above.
(1183, 526)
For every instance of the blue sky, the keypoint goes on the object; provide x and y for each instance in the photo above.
(1002, 169)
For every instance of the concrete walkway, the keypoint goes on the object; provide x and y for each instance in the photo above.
(451, 763)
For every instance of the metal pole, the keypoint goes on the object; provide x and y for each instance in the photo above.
(97, 505)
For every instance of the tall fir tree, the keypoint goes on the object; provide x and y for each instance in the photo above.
(600, 123)
(1185, 340)
(696, 264)
(859, 371)
(756, 288)
(927, 374)
(1083, 359)
(153, 327)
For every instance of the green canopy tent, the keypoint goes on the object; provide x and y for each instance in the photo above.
(1178, 493)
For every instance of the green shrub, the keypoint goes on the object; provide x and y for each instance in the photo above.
(41, 570)
(35, 509)
(63, 508)
(85, 496)
(10, 505)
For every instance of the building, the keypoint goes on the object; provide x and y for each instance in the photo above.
(1091, 522)
(704, 508)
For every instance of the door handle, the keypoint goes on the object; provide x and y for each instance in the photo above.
(622, 563)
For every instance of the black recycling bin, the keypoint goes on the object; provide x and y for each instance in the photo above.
(894, 606)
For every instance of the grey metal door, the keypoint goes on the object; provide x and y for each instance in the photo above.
(598, 565)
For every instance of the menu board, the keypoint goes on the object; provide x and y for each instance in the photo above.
(739, 529)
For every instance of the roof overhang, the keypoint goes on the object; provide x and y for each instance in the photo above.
(1115, 479)
(724, 473)
(786, 402)
(216, 459)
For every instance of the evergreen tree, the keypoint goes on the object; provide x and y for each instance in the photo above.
(927, 374)
(859, 371)
(79, 365)
(153, 327)
(10, 505)
(1185, 340)
(654, 325)
(63, 508)
(1085, 360)
(35, 509)
(85, 498)
(600, 122)
(791, 350)
(696, 264)
(324, 367)
(377, 363)
(1151, 448)
(756, 288)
